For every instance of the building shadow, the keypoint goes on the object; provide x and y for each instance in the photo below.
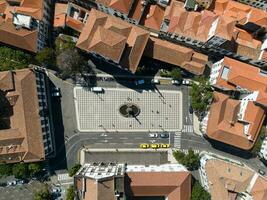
(59, 161)
(230, 149)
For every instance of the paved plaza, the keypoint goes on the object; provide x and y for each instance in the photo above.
(159, 111)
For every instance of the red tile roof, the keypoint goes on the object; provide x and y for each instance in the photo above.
(125, 44)
(173, 185)
(176, 55)
(123, 6)
(23, 141)
(21, 38)
(154, 18)
(223, 124)
(60, 14)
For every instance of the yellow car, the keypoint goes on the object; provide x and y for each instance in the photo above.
(165, 145)
(144, 146)
(154, 146)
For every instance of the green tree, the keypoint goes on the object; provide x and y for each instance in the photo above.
(165, 73)
(70, 193)
(5, 170)
(72, 171)
(63, 43)
(70, 62)
(199, 193)
(43, 194)
(20, 170)
(257, 146)
(11, 59)
(34, 168)
(176, 74)
(46, 57)
(190, 160)
(201, 94)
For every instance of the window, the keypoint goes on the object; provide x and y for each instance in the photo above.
(225, 73)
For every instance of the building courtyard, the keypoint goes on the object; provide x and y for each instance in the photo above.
(101, 111)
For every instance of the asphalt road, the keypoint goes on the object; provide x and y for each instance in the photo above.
(70, 141)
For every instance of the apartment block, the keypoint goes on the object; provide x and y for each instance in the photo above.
(121, 181)
(239, 103)
(25, 24)
(225, 179)
(25, 126)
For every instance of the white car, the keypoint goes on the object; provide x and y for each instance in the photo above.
(155, 81)
(186, 82)
(153, 135)
(176, 82)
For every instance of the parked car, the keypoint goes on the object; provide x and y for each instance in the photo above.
(144, 146)
(56, 92)
(176, 82)
(20, 182)
(261, 172)
(155, 81)
(153, 135)
(165, 145)
(97, 89)
(155, 146)
(164, 135)
(191, 109)
(139, 82)
(186, 82)
(11, 183)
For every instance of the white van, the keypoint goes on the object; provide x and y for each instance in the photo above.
(97, 89)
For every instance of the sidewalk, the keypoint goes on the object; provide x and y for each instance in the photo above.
(196, 126)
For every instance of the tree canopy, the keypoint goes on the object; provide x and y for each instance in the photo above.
(257, 146)
(64, 43)
(190, 160)
(72, 171)
(11, 59)
(46, 57)
(176, 74)
(70, 62)
(199, 193)
(201, 94)
(70, 193)
(34, 168)
(5, 169)
(43, 194)
(20, 170)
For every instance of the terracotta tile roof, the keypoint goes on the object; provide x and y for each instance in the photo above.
(243, 75)
(6, 81)
(155, 17)
(226, 179)
(176, 55)
(23, 140)
(137, 10)
(259, 190)
(75, 24)
(21, 38)
(60, 14)
(173, 185)
(246, 39)
(192, 24)
(226, 14)
(125, 44)
(241, 12)
(223, 124)
(100, 190)
(123, 6)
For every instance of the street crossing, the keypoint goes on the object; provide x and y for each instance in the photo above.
(177, 140)
(64, 177)
(186, 151)
(187, 129)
